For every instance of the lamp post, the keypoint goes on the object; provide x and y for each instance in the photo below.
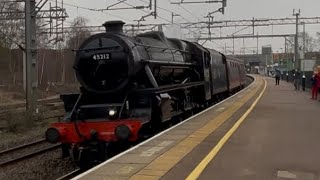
(304, 51)
(296, 43)
(287, 61)
(281, 63)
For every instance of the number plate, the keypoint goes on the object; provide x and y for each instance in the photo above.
(104, 56)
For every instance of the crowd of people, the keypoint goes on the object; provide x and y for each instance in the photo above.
(315, 81)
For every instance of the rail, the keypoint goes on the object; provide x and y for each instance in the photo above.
(21, 147)
(28, 155)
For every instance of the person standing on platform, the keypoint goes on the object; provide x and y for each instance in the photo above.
(317, 76)
(297, 80)
(277, 76)
(314, 89)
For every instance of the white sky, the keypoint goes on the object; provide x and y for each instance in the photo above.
(236, 9)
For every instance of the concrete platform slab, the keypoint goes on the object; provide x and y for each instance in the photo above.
(118, 170)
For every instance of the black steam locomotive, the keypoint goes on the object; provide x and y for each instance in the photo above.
(131, 85)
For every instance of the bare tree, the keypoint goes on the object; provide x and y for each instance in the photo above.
(11, 24)
(317, 42)
(42, 36)
(11, 35)
(78, 33)
(311, 42)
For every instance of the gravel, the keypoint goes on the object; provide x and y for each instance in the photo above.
(24, 151)
(48, 166)
(10, 139)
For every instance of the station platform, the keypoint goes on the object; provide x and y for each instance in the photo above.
(264, 132)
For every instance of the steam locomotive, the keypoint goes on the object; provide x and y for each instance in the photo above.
(132, 85)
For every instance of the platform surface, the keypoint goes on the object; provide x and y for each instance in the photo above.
(277, 139)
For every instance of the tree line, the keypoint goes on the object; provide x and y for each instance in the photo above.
(12, 29)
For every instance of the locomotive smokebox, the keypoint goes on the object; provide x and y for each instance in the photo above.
(103, 64)
(114, 27)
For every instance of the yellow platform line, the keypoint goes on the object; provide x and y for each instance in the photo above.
(204, 163)
(166, 161)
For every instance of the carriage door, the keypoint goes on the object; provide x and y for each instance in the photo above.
(206, 74)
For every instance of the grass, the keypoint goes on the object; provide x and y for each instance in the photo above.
(15, 121)
(20, 131)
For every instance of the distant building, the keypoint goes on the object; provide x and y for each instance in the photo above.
(268, 60)
(267, 57)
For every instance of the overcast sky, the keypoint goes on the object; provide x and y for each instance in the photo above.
(236, 9)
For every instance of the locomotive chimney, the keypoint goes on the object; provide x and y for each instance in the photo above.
(114, 27)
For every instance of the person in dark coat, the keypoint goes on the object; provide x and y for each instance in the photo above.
(277, 76)
(314, 89)
(297, 80)
(318, 78)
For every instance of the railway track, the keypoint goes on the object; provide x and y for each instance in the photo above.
(21, 147)
(17, 154)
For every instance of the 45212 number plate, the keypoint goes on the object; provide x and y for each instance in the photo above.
(104, 56)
